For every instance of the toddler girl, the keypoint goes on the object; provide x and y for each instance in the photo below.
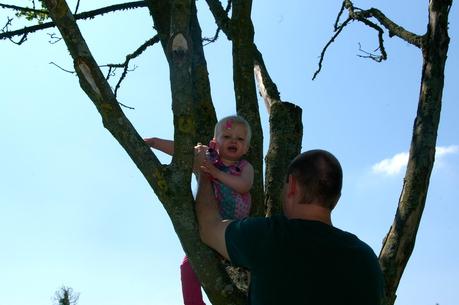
(232, 179)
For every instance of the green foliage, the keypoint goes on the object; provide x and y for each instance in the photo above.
(33, 13)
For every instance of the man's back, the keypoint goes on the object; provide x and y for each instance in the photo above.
(304, 262)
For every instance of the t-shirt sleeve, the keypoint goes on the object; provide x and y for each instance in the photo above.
(246, 241)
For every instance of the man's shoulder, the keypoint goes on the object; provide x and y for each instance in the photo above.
(253, 229)
(250, 223)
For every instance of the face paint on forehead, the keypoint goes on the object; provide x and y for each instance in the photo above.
(229, 124)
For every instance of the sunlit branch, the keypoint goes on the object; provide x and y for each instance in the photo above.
(266, 87)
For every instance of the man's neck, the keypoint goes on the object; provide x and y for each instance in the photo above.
(311, 211)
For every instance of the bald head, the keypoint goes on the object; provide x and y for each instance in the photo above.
(319, 176)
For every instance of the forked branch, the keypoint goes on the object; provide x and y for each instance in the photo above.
(366, 16)
(129, 57)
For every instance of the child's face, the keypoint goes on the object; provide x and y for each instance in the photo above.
(232, 142)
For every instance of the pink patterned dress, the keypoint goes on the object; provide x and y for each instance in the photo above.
(232, 205)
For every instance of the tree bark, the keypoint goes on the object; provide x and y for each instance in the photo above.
(399, 243)
(286, 133)
(245, 91)
(167, 181)
(180, 52)
(93, 82)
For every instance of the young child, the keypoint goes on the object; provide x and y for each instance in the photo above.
(232, 179)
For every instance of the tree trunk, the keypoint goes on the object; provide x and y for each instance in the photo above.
(167, 181)
(245, 91)
(286, 133)
(399, 243)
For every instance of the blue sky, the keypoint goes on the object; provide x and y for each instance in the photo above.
(75, 211)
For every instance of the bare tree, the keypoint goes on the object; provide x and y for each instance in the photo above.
(66, 296)
(399, 242)
(178, 31)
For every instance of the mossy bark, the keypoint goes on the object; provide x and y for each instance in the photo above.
(245, 92)
(399, 243)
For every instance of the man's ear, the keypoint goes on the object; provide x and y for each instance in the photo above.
(336, 201)
(292, 187)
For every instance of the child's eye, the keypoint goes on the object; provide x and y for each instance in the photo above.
(226, 136)
(240, 139)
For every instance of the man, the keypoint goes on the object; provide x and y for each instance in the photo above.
(297, 258)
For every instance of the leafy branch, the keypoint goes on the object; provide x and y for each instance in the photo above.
(6, 34)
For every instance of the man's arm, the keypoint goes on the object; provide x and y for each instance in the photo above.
(211, 227)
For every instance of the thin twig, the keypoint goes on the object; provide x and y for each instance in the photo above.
(77, 6)
(380, 31)
(129, 57)
(73, 72)
(55, 38)
(338, 17)
(65, 70)
(322, 54)
(377, 58)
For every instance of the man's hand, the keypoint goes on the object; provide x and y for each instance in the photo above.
(199, 157)
(166, 146)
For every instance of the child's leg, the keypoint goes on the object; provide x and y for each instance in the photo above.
(191, 288)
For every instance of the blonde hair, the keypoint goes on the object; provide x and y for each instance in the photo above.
(234, 119)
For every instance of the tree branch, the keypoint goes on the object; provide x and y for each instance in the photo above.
(245, 92)
(98, 90)
(23, 9)
(338, 30)
(213, 39)
(272, 99)
(82, 16)
(364, 16)
(393, 28)
(399, 242)
(220, 16)
(266, 87)
(129, 57)
(396, 30)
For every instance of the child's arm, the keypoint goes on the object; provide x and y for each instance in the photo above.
(166, 146)
(241, 184)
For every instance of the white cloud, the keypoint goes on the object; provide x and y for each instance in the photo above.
(394, 165)
(391, 166)
(442, 150)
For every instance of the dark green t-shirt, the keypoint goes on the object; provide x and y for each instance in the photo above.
(295, 261)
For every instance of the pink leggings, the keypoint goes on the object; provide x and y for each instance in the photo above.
(191, 288)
